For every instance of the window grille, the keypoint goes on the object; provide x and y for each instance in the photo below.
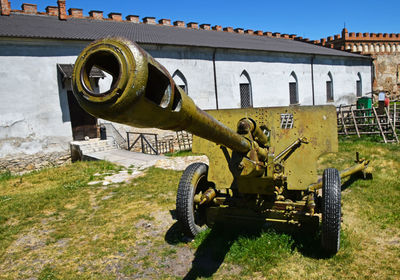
(293, 93)
(329, 91)
(245, 96)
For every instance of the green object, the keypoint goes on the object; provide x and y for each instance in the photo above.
(364, 103)
(263, 161)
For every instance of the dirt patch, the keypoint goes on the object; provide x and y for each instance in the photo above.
(180, 163)
(123, 176)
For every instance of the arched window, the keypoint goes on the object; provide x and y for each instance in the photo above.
(329, 88)
(293, 89)
(180, 81)
(359, 85)
(246, 99)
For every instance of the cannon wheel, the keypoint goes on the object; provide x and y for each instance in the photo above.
(192, 217)
(331, 211)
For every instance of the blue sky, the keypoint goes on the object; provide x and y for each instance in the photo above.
(312, 19)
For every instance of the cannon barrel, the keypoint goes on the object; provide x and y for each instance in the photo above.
(143, 94)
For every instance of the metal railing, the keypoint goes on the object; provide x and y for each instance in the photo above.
(148, 143)
(112, 132)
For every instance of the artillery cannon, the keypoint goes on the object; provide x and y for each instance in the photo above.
(262, 160)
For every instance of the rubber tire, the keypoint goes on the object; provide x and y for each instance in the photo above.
(331, 211)
(193, 180)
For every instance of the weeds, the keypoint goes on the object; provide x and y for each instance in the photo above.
(184, 153)
(6, 175)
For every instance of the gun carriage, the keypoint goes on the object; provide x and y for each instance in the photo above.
(262, 160)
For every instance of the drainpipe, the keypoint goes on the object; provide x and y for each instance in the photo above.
(372, 78)
(215, 79)
(312, 79)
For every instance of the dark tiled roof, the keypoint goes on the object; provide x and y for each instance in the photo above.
(50, 27)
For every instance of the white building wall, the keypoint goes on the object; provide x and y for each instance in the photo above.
(344, 76)
(34, 113)
(269, 74)
(197, 67)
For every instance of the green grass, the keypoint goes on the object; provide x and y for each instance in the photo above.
(54, 215)
(371, 212)
(55, 226)
(47, 274)
(261, 253)
(182, 154)
(6, 175)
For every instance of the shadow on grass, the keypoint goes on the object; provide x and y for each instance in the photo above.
(210, 254)
(264, 246)
(355, 177)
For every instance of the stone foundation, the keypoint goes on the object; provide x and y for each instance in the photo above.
(26, 163)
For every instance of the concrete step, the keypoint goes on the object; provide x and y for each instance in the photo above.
(79, 149)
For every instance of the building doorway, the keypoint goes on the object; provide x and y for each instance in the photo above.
(82, 123)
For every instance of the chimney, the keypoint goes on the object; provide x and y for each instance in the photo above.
(132, 18)
(62, 11)
(267, 33)
(149, 20)
(179, 23)
(193, 25)
(276, 34)
(239, 30)
(96, 14)
(165, 21)
(29, 8)
(228, 29)
(75, 13)
(217, 27)
(52, 10)
(259, 32)
(205, 26)
(292, 36)
(249, 31)
(285, 36)
(337, 36)
(5, 8)
(115, 16)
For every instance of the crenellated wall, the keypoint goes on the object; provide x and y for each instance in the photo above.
(384, 48)
(364, 43)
